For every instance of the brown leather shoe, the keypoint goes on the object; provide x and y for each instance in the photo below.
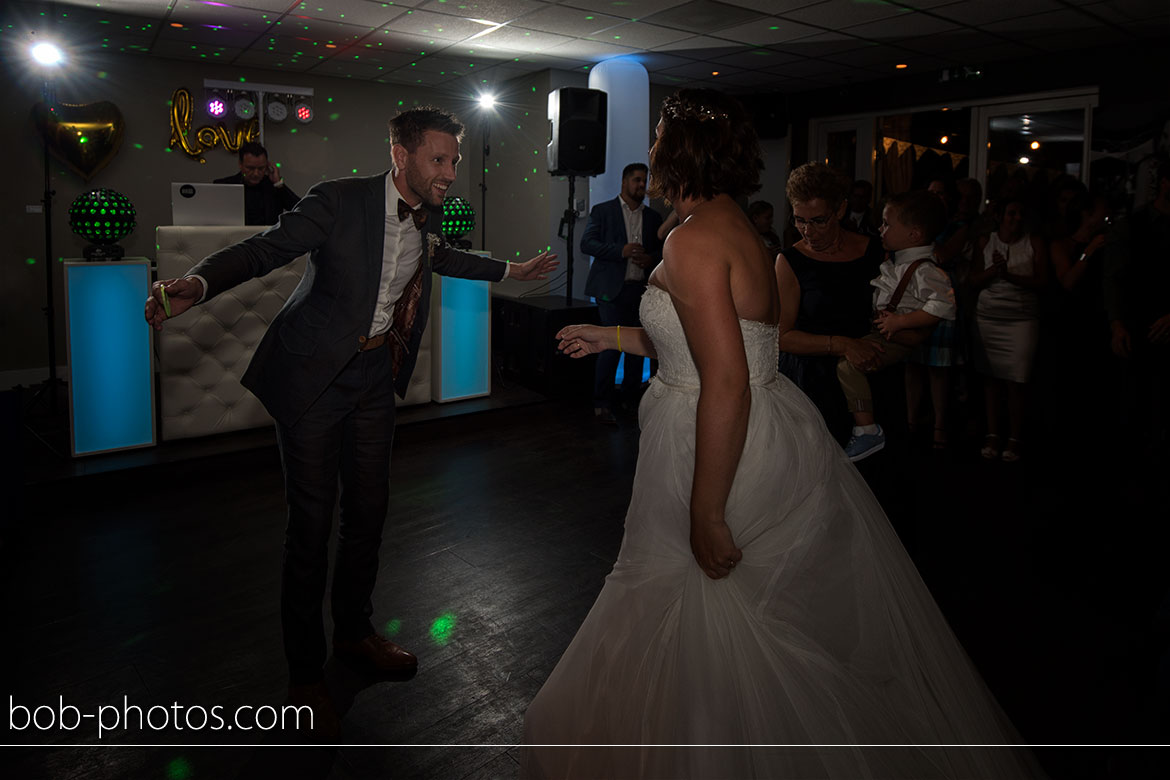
(324, 726)
(377, 655)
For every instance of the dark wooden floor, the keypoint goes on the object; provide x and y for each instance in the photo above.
(160, 583)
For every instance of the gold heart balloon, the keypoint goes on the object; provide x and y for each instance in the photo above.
(85, 137)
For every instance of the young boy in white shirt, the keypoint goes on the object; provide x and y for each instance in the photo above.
(911, 295)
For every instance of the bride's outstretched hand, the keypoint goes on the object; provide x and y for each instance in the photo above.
(580, 340)
(713, 548)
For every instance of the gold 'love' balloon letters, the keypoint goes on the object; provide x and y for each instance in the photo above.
(205, 137)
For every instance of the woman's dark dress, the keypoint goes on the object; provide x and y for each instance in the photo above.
(836, 299)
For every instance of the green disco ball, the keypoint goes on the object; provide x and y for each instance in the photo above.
(458, 217)
(102, 217)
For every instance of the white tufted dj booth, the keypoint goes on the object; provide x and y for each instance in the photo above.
(203, 354)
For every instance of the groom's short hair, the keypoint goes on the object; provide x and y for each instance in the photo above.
(409, 126)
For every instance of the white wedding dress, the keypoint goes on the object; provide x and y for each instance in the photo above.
(823, 635)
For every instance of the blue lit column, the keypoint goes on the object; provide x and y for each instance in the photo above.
(111, 377)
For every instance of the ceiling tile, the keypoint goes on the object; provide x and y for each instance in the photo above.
(497, 11)
(823, 44)
(703, 16)
(701, 47)
(566, 20)
(870, 55)
(901, 27)
(222, 36)
(516, 39)
(281, 62)
(807, 68)
(403, 41)
(318, 29)
(986, 11)
(628, 9)
(588, 51)
(1084, 39)
(746, 78)
(757, 58)
(1135, 10)
(450, 28)
(835, 16)
(768, 31)
(356, 12)
(777, 6)
(699, 70)
(639, 35)
(342, 69)
(949, 41)
(1029, 27)
(653, 60)
(182, 50)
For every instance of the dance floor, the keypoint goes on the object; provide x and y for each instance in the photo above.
(155, 581)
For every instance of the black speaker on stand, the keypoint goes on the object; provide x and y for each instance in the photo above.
(576, 147)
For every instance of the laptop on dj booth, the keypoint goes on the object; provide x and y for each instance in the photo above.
(196, 203)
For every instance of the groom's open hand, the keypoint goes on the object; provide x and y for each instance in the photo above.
(714, 548)
(535, 269)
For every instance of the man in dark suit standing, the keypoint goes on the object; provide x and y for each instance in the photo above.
(622, 237)
(327, 369)
(266, 195)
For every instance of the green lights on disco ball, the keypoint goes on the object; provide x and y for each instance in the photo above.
(458, 218)
(102, 217)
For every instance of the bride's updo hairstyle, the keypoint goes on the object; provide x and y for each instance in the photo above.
(708, 146)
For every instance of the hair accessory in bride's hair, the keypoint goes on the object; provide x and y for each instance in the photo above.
(674, 108)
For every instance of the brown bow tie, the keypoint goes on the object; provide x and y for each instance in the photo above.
(419, 215)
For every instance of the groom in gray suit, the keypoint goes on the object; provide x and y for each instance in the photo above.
(327, 369)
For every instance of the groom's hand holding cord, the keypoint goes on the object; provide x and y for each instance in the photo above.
(182, 294)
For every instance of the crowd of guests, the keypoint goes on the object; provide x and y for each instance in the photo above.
(993, 295)
(969, 300)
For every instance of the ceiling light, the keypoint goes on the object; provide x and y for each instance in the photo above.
(216, 105)
(275, 109)
(47, 54)
(901, 66)
(943, 140)
(303, 112)
(487, 101)
(1035, 144)
(1024, 161)
(245, 107)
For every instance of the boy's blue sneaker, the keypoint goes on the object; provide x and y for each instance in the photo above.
(863, 445)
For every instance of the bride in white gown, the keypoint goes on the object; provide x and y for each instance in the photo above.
(762, 619)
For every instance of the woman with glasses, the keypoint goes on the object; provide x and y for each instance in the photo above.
(826, 301)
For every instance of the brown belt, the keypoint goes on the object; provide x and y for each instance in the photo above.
(373, 342)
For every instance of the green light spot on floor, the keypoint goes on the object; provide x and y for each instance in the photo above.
(393, 627)
(444, 625)
(179, 769)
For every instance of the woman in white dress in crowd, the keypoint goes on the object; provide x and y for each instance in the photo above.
(1010, 268)
(760, 597)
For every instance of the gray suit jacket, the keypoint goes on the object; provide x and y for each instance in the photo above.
(341, 223)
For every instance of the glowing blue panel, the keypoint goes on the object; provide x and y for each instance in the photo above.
(111, 380)
(461, 363)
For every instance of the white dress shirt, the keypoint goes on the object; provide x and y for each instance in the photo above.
(929, 291)
(633, 219)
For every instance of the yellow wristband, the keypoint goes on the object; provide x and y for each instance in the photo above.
(619, 335)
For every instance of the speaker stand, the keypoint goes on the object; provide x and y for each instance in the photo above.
(569, 220)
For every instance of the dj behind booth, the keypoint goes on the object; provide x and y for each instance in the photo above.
(203, 354)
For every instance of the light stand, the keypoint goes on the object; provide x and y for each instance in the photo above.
(487, 150)
(51, 386)
(569, 220)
